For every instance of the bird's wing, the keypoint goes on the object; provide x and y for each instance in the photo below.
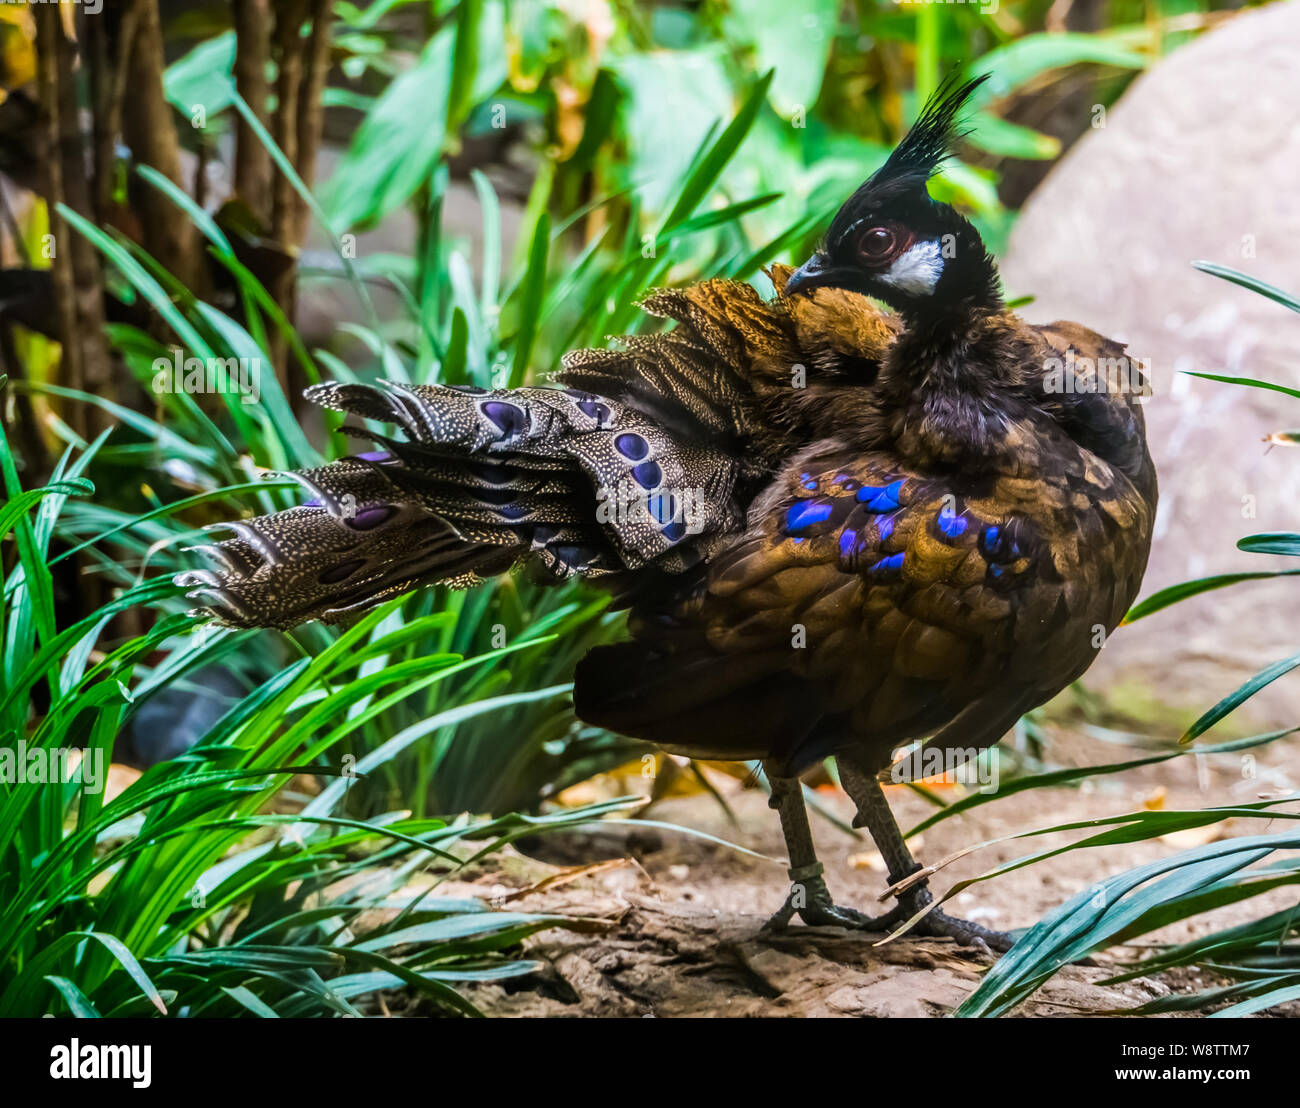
(1094, 389)
(870, 602)
(644, 462)
(476, 481)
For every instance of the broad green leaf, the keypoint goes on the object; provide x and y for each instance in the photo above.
(395, 149)
(1010, 140)
(792, 40)
(1016, 63)
(202, 77)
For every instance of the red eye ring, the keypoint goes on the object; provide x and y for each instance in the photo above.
(877, 243)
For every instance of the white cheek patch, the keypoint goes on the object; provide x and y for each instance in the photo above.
(917, 271)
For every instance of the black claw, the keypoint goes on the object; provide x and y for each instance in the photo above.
(818, 910)
(940, 924)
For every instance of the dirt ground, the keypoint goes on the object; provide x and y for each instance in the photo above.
(684, 913)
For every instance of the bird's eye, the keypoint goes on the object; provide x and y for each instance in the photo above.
(876, 243)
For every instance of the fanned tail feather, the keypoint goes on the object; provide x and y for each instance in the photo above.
(354, 545)
(643, 461)
(477, 481)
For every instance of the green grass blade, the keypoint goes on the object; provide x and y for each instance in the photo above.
(1253, 283)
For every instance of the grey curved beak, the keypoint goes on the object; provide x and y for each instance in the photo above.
(814, 273)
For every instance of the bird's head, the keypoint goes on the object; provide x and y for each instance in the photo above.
(892, 241)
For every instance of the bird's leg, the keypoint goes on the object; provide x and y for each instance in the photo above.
(809, 898)
(874, 814)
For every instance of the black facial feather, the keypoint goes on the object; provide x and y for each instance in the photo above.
(891, 240)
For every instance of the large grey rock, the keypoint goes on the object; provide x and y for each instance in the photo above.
(1199, 160)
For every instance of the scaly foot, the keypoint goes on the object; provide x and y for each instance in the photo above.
(811, 901)
(938, 923)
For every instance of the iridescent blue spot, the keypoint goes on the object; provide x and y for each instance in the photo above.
(510, 418)
(675, 530)
(573, 556)
(375, 456)
(995, 570)
(648, 475)
(514, 511)
(884, 527)
(632, 446)
(369, 518)
(811, 486)
(804, 513)
(951, 525)
(1000, 544)
(848, 540)
(661, 507)
(595, 409)
(891, 564)
(880, 498)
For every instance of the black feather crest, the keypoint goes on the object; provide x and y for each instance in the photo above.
(933, 136)
(916, 159)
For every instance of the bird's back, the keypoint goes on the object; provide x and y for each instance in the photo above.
(882, 592)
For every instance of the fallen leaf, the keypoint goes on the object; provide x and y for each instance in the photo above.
(1154, 801)
(1196, 836)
